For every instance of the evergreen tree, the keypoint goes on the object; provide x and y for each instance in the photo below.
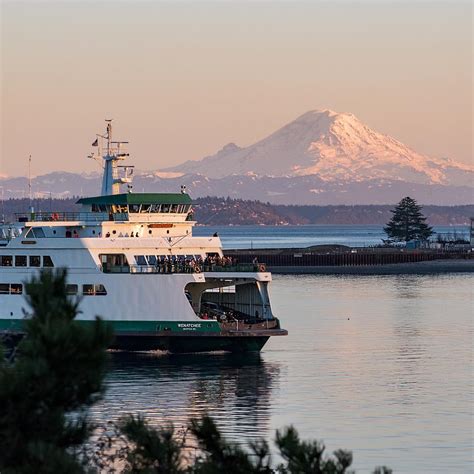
(56, 374)
(408, 222)
(160, 451)
(308, 456)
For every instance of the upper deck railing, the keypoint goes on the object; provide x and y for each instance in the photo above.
(167, 268)
(70, 216)
(93, 216)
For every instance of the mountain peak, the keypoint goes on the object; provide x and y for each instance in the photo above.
(335, 147)
(321, 114)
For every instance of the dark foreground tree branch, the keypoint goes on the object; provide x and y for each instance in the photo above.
(58, 369)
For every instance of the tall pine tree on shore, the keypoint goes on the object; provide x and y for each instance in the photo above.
(407, 222)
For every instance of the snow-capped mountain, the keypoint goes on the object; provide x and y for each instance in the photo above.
(335, 147)
(320, 158)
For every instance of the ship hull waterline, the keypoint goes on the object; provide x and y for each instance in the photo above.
(178, 342)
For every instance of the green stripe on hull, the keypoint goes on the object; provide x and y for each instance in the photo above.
(176, 336)
(11, 324)
(134, 326)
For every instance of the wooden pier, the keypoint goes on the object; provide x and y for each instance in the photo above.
(341, 259)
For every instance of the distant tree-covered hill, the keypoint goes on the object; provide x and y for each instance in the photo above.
(227, 211)
(224, 211)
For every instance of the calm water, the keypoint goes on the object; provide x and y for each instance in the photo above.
(380, 365)
(255, 236)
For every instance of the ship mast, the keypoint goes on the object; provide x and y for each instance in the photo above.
(29, 185)
(113, 153)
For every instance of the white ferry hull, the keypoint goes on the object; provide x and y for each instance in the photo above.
(132, 260)
(147, 312)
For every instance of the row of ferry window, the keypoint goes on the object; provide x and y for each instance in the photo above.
(87, 290)
(25, 261)
(142, 208)
(156, 259)
(11, 289)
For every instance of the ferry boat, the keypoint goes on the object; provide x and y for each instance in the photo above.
(132, 259)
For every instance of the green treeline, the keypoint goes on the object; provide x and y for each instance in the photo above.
(225, 211)
(56, 372)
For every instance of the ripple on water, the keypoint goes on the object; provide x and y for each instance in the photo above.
(380, 365)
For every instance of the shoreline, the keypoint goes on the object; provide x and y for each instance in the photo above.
(414, 268)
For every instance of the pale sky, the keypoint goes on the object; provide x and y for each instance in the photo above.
(182, 79)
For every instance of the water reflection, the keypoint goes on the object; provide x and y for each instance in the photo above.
(408, 286)
(380, 365)
(235, 389)
(409, 330)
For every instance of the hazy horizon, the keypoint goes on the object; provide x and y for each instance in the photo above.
(183, 79)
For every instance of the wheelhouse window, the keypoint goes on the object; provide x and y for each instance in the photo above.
(6, 261)
(20, 261)
(35, 261)
(140, 259)
(99, 208)
(4, 288)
